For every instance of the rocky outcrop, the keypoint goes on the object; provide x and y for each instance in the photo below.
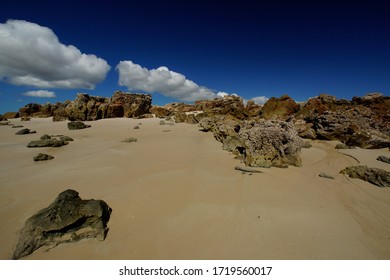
(68, 219)
(160, 111)
(279, 108)
(376, 176)
(76, 125)
(42, 157)
(90, 108)
(259, 144)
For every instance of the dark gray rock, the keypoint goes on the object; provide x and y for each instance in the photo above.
(17, 126)
(375, 176)
(68, 219)
(42, 157)
(77, 125)
(383, 159)
(25, 131)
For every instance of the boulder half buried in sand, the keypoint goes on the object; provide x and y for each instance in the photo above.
(77, 125)
(42, 157)
(375, 176)
(68, 219)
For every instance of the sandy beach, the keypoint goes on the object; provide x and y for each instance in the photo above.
(175, 195)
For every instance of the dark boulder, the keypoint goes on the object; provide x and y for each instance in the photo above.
(53, 142)
(68, 219)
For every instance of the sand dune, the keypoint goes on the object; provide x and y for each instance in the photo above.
(176, 195)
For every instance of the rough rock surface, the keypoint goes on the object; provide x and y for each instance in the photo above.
(68, 219)
(75, 125)
(47, 141)
(227, 105)
(279, 108)
(42, 157)
(260, 144)
(375, 176)
(271, 143)
(10, 115)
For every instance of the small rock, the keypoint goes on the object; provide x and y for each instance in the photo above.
(66, 138)
(136, 127)
(25, 131)
(130, 139)
(25, 119)
(77, 125)
(47, 143)
(17, 126)
(247, 169)
(42, 157)
(343, 146)
(4, 122)
(324, 175)
(306, 145)
(383, 159)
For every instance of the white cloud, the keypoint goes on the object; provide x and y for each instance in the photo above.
(32, 55)
(162, 80)
(260, 100)
(40, 93)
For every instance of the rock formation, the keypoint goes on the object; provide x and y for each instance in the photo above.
(68, 219)
(375, 176)
(384, 159)
(279, 108)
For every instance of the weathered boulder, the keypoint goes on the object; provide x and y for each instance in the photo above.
(342, 146)
(75, 125)
(270, 143)
(25, 131)
(42, 157)
(279, 108)
(68, 219)
(260, 144)
(29, 109)
(133, 104)
(180, 117)
(252, 109)
(4, 122)
(375, 176)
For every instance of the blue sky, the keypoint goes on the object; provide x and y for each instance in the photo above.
(188, 50)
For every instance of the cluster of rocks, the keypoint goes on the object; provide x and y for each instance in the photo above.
(90, 108)
(68, 219)
(50, 141)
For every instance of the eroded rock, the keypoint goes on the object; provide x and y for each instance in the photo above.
(68, 219)
(42, 157)
(376, 176)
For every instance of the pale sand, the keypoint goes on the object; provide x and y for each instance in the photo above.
(176, 195)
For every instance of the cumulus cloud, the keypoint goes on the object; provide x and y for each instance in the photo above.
(40, 93)
(32, 55)
(260, 100)
(162, 80)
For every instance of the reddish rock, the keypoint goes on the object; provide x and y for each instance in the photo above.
(279, 108)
